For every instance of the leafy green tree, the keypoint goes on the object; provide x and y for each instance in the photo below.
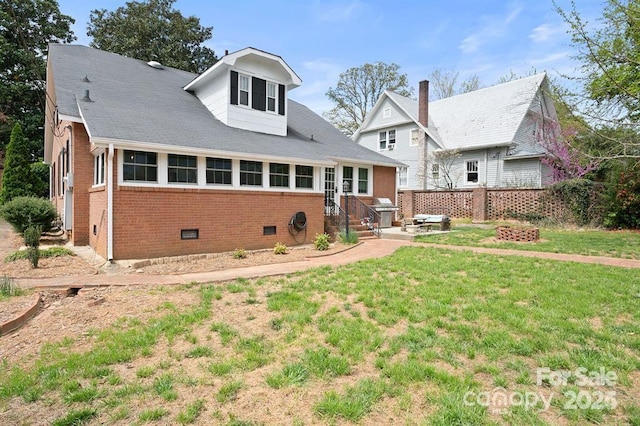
(610, 78)
(26, 28)
(357, 91)
(17, 179)
(153, 30)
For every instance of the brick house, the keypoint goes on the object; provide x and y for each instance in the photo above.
(150, 161)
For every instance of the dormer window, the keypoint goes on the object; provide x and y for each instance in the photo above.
(257, 93)
(271, 96)
(243, 89)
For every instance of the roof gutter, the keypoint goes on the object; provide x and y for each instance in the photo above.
(374, 163)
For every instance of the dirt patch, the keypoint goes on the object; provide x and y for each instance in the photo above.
(222, 261)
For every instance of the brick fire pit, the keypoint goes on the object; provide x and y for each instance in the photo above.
(507, 233)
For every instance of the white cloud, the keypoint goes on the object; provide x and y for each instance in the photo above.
(336, 12)
(491, 27)
(545, 32)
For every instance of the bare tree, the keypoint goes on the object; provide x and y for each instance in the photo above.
(445, 172)
(444, 83)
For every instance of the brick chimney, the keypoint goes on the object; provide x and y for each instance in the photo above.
(423, 103)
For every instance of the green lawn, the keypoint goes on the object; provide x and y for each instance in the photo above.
(624, 244)
(424, 336)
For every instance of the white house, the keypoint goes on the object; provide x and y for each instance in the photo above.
(489, 137)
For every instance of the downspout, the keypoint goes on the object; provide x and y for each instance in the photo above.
(110, 204)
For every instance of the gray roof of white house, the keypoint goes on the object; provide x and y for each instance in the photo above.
(132, 102)
(484, 117)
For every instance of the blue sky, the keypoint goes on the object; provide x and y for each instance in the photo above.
(321, 39)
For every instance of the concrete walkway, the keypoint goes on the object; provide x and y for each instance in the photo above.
(375, 248)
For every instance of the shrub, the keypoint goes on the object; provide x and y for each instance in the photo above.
(350, 238)
(321, 242)
(32, 236)
(623, 209)
(8, 287)
(239, 253)
(280, 248)
(22, 212)
(50, 252)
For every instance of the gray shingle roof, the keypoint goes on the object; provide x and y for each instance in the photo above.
(491, 115)
(133, 102)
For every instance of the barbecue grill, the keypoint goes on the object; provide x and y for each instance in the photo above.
(386, 209)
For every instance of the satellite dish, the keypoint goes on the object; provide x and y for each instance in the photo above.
(155, 64)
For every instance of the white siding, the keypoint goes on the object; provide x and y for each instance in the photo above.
(216, 97)
(523, 173)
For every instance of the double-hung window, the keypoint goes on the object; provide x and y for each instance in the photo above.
(347, 176)
(382, 141)
(278, 175)
(435, 172)
(219, 171)
(243, 89)
(386, 140)
(472, 171)
(140, 166)
(98, 169)
(402, 177)
(182, 168)
(304, 177)
(415, 137)
(250, 173)
(363, 181)
(271, 96)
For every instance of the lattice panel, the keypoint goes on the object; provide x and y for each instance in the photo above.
(521, 202)
(458, 204)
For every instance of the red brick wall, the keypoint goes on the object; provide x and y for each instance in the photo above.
(384, 182)
(82, 167)
(98, 218)
(148, 221)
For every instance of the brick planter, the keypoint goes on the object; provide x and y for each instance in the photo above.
(517, 234)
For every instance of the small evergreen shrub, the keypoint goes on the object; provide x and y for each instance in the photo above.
(22, 212)
(32, 235)
(32, 241)
(321, 242)
(280, 248)
(239, 253)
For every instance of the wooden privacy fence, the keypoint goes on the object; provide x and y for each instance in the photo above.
(481, 203)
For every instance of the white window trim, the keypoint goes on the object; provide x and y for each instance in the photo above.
(467, 171)
(99, 168)
(388, 145)
(417, 138)
(248, 77)
(354, 188)
(275, 97)
(403, 177)
(162, 164)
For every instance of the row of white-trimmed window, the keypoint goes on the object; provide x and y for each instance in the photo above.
(142, 166)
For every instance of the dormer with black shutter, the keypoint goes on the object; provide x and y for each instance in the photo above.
(248, 89)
